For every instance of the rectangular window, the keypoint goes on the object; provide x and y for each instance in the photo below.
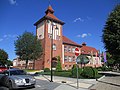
(66, 66)
(69, 49)
(66, 58)
(73, 58)
(54, 46)
(69, 66)
(65, 48)
(73, 49)
(70, 59)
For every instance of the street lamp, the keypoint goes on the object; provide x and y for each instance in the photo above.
(52, 49)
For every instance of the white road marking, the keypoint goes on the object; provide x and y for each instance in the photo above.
(37, 85)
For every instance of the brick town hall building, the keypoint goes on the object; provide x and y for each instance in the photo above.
(50, 26)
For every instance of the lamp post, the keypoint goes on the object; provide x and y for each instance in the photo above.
(52, 50)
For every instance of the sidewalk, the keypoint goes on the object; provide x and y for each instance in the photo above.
(108, 83)
(103, 83)
(69, 83)
(67, 87)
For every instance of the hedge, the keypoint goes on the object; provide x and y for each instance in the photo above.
(46, 70)
(74, 71)
(89, 72)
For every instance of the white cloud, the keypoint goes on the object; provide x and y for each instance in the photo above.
(84, 35)
(78, 19)
(82, 20)
(9, 36)
(13, 2)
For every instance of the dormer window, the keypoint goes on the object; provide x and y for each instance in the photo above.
(83, 51)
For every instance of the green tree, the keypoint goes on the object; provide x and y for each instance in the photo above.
(110, 60)
(3, 57)
(37, 51)
(58, 66)
(111, 34)
(9, 63)
(27, 46)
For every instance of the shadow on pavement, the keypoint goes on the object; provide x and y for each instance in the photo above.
(3, 88)
(45, 77)
(109, 83)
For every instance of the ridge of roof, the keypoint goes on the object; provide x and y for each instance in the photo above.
(69, 42)
(88, 48)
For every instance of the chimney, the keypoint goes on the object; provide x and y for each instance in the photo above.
(83, 44)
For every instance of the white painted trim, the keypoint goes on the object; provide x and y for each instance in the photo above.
(63, 53)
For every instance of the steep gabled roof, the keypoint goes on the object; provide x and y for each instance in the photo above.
(69, 42)
(49, 15)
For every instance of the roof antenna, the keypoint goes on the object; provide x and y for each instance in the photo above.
(49, 2)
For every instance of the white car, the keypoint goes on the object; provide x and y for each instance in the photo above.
(16, 78)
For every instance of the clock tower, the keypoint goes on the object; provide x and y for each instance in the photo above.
(49, 31)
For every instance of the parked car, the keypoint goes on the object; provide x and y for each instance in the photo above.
(3, 68)
(16, 78)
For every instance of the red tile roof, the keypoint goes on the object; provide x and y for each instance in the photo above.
(49, 9)
(69, 42)
(88, 50)
(49, 15)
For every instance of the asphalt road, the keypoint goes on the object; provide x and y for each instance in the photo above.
(44, 85)
(40, 85)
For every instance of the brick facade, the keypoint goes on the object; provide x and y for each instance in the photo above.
(62, 46)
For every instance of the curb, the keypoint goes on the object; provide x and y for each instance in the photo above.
(101, 77)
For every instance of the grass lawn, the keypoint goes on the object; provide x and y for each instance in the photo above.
(30, 70)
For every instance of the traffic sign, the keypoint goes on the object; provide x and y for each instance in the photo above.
(77, 51)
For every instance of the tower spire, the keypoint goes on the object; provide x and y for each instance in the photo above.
(49, 2)
(49, 10)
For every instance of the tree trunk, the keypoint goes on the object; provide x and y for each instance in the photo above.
(33, 64)
(26, 64)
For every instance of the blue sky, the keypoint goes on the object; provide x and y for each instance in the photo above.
(84, 20)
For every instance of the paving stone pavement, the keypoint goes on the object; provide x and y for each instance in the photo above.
(104, 83)
(108, 83)
(70, 83)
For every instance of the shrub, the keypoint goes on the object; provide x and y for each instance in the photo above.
(89, 72)
(58, 67)
(99, 68)
(74, 71)
(105, 68)
(62, 73)
(95, 72)
(46, 70)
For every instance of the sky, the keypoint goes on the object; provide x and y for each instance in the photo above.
(84, 20)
